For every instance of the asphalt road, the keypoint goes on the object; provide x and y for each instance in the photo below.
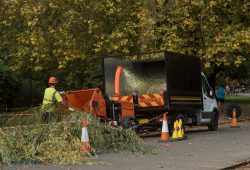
(202, 150)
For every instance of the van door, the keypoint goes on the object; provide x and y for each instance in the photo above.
(208, 98)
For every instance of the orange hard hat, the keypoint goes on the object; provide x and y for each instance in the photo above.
(52, 80)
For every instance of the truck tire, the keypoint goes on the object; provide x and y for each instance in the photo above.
(230, 108)
(129, 122)
(213, 126)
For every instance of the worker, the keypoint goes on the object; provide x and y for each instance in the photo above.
(52, 97)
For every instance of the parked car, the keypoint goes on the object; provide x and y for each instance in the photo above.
(241, 89)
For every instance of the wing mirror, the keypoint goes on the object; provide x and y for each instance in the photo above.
(211, 93)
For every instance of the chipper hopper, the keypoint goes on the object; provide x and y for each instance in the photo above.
(138, 88)
(90, 100)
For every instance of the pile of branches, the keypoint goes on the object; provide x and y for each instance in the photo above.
(58, 141)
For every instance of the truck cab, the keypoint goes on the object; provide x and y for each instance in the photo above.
(209, 100)
(210, 114)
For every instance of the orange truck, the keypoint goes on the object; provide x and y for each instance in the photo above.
(139, 88)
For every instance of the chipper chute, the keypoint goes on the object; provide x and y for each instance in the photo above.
(118, 73)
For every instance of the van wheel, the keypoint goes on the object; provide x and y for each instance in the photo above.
(213, 126)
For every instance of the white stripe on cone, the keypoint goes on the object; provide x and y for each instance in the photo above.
(164, 131)
(85, 135)
(164, 126)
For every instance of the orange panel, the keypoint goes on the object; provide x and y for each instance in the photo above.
(127, 109)
(98, 104)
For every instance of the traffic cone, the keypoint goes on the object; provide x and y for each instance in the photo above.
(164, 130)
(85, 147)
(175, 131)
(234, 120)
(180, 129)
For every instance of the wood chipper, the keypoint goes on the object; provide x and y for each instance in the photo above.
(138, 88)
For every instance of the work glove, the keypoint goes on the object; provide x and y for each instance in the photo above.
(71, 109)
(62, 93)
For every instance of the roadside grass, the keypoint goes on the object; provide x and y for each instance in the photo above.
(242, 101)
(20, 114)
(247, 90)
(4, 118)
(238, 99)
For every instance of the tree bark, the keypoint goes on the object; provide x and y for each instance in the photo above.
(212, 77)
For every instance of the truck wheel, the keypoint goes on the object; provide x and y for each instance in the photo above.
(129, 122)
(213, 126)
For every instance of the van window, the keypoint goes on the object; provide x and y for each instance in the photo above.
(205, 87)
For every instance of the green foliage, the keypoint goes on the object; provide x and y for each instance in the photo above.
(67, 39)
(55, 36)
(60, 143)
(217, 31)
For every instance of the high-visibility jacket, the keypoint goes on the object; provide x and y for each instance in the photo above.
(51, 96)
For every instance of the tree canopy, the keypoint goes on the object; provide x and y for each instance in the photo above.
(67, 38)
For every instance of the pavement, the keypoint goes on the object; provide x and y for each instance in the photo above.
(202, 150)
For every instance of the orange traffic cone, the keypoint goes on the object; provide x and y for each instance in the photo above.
(234, 120)
(165, 130)
(85, 147)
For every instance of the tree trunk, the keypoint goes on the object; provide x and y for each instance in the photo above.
(30, 90)
(212, 80)
(212, 77)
